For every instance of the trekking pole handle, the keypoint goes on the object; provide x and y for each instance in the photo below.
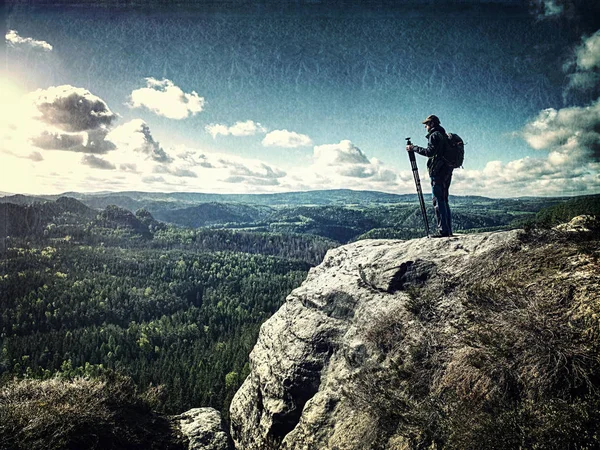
(411, 155)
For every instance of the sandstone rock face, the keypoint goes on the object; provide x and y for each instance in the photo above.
(583, 223)
(308, 352)
(203, 428)
(357, 313)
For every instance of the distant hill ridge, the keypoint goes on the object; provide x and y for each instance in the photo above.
(172, 200)
(318, 197)
(214, 213)
(340, 215)
(30, 219)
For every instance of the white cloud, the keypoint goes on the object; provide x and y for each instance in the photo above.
(92, 141)
(13, 39)
(36, 156)
(347, 160)
(74, 120)
(588, 54)
(165, 99)
(344, 165)
(573, 132)
(571, 138)
(247, 128)
(58, 118)
(216, 129)
(240, 167)
(222, 172)
(154, 180)
(583, 81)
(566, 170)
(175, 171)
(286, 139)
(197, 170)
(128, 167)
(552, 9)
(243, 171)
(339, 154)
(56, 140)
(135, 137)
(585, 64)
(71, 109)
(194, 158)
(97, 163)
(136, 161)
(527, 177)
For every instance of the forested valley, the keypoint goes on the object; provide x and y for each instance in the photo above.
(177, 308)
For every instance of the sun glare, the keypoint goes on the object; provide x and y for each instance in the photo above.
(9, 91)
(12, 105)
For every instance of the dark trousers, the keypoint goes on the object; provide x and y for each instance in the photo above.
(440, 188)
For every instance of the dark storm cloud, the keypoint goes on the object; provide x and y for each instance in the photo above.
(97, 163)
(71, 109)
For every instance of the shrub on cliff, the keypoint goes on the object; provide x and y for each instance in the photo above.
(565, 211)
(81, 413)
(507, 356)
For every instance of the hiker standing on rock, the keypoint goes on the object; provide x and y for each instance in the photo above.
(440, 172)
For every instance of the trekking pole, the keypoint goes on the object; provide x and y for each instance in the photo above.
(415, 171)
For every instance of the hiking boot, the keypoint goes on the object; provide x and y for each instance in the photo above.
(438, 234)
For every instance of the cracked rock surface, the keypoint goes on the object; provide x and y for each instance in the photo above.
(387, 343)
(204, 429)
(308, 353)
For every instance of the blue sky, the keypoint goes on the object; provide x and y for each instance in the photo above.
(299, 95)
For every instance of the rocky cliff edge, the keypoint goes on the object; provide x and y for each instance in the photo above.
(475, 341)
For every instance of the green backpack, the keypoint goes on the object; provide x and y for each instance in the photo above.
(454, 155)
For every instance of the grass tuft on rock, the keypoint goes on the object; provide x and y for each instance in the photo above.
(507, 356)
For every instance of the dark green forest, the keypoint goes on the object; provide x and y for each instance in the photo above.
(175, 307)
(178, 310)
(181, 319)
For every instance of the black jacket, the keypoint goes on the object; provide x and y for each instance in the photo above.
(437, 144)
